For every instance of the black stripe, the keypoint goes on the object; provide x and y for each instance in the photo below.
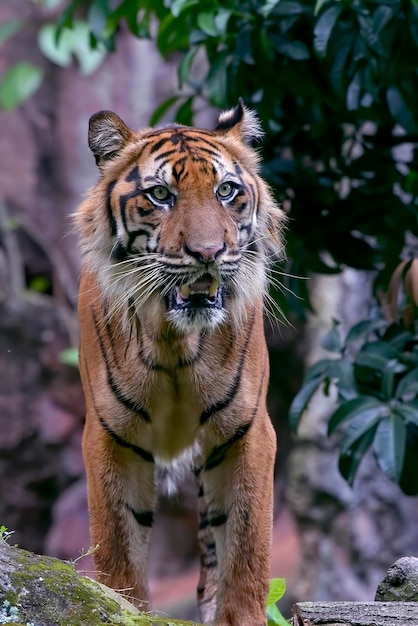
(144, 518)
(218, 520)
(218, 453)
(144, 454)
(110, 216)
(159, 144)
(164, 155)
(133, 234)
(232, 391)
(203, 522)
(119, 395)
(134, 177)
(119, 252)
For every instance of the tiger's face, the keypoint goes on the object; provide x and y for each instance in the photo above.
(180, 221)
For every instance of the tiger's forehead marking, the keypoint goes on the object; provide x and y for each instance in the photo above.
(178, 147)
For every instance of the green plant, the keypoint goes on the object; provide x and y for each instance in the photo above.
(5, 534)
(377, 388)
(277, 591)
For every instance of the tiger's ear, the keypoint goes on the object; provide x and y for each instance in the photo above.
(240, 122)
(107, 135)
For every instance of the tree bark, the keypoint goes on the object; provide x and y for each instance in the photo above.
(355, 614)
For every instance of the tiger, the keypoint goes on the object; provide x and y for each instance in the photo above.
(177, 238)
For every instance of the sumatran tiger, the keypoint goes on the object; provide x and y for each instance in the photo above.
(177, 237)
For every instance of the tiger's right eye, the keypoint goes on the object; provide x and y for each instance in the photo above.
(160, 193)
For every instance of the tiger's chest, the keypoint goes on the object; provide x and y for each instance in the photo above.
(175, 403)
(173, 382)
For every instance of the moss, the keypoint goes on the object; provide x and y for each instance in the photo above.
(49, 592)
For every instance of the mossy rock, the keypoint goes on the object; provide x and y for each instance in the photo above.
(44, 591)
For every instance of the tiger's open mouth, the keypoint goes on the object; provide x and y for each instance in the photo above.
(205, 292)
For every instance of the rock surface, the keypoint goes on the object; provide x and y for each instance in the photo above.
(401, 582)
(44, 591)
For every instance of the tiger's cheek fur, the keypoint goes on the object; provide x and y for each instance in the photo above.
(176, 237)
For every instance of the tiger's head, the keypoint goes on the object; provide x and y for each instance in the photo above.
(180, 222)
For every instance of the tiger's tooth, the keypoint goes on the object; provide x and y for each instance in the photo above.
(185, 291)
(213, 288)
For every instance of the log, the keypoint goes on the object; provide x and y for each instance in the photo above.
(355, 614)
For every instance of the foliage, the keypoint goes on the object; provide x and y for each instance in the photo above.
(5, 534)
(277, 591)
(377, 389)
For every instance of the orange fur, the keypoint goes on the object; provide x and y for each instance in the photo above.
(176, 238)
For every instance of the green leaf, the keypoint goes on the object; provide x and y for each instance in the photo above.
(172, 35)
(18, 84)
(8, 29)
(72, 42)
(320, 368)
(318, 6)
(352, 408)
(267, 7)
(359, 425)
(222, 19)
(341, 370)
(97, 18)
(275, 618)
(349, 462)
(185, 65)
(332, 340)
(162, 109)
(206, 23)
(286, 8)
(393, 367)
(181, 5)
(59, 52)
(323, 28)
(184, 114)
(362, 329)
(408, 411)
(408, 384)
(295, 50)
(372, 361)
(353, 92)
(389, 446)
(301, 401)
(217, 81)
(399, 110)
(69, 356)
(276, 591)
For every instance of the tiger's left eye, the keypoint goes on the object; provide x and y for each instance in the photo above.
(160, 193)
(226, 189)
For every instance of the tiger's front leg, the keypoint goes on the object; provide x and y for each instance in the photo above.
(238, 490)
(121, 502)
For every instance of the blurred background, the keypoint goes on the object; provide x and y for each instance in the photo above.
(334, 84)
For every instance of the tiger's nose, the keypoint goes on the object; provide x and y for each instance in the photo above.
(205, 254)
